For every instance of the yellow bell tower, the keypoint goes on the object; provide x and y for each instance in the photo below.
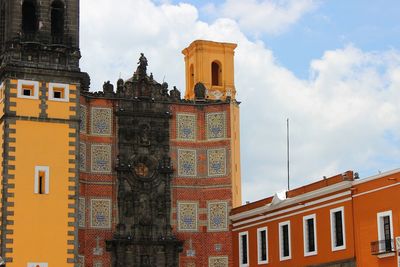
(40, 84)
(210, 63)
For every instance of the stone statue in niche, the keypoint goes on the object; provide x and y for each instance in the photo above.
(144, 135)
(128, 205)
(200, 91)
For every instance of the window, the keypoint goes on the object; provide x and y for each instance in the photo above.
(262, 245)
(191, 78)
(29, 17)
(385, 231)
(243, 249)
(284, 241)
(59, 92)
(28, 89)
(41, 180)
(338, 236)
(216, 73)
(2, 23)
(57, 19)
(310, 235)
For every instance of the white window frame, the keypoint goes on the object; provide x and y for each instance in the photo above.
(35, 85)
(281, 256)
(381, 233)
(59, 85)
(333, 226)
(305, 235)
(259, 230)
(34, 264)
(46, 170)
(241, 249)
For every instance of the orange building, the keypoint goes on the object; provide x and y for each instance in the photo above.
(338, 221)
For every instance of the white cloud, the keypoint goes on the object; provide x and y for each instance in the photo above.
(267, 16)
(345, 116)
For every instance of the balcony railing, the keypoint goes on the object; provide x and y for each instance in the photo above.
(382, 247)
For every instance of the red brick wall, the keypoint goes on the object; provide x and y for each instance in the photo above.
(201, 189)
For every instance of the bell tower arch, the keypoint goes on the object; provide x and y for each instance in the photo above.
(211, 64)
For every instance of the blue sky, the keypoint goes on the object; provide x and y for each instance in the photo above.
(369, 25)
(332, 67)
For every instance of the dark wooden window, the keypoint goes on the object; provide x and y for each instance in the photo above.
(2, 24)
(29, 17)
(263, 245)
(338, 217)
(42, 182)
(243, 240)
(216, 73)
(310, 235)
(387, 233)
(285, 240)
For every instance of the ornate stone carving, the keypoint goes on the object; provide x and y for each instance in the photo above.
(200, 91)
(144, 175)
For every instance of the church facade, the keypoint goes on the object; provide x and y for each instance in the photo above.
(133, 175)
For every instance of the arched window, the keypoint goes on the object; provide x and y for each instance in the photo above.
(216, 73)
(57, 18)
(191, 78)
(29, 17)
(2, 24)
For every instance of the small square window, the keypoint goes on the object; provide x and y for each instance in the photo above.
(59, 92)
(28, 89)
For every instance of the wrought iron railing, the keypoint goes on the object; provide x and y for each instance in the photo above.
(382, 246)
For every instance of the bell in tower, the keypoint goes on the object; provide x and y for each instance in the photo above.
(40, 85)
(41, 34)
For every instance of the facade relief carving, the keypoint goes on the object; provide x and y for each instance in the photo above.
(144, 175)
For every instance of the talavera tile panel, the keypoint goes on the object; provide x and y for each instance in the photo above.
(216, 125)
(101, 121)
(186, 126)
(100, 213)
(187, 216)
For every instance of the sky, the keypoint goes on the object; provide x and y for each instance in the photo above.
(331, 66)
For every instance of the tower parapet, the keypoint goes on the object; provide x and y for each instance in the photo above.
(212, 64)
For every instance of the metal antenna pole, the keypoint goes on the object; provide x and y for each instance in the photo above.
(288, 158)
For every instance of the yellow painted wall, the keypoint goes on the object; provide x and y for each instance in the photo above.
(41, 221)
(60, 110)
(41, 227)
(235, 144)
(199, 57)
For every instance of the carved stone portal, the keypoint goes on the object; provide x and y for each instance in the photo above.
(144, 234)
